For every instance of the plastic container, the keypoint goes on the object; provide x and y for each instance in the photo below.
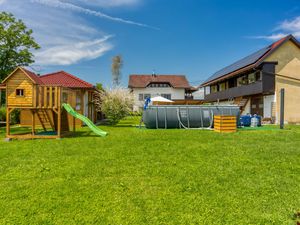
(245, 121)
(256, 121)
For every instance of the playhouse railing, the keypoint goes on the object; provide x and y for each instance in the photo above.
(48, 97)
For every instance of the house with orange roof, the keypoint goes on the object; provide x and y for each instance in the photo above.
(172, 87)
(254, 82)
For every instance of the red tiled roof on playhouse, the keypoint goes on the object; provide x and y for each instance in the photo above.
(33, 76)
(64, 79)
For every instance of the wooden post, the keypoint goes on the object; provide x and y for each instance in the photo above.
(55, 97)
(45, 97)
(282, 108)
(7, 121)
(59, 113)
(74, 124)
(50, 98)
(33, 121)
(82, 105)
(40, 96)
(34, 98)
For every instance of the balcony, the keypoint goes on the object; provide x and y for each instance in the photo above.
(250, 89)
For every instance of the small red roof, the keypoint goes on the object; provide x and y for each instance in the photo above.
(142, 81)
(33, 76)
(64, 79)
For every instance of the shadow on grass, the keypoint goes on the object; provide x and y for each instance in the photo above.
(81, 134)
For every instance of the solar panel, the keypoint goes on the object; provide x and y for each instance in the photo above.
(239, 64)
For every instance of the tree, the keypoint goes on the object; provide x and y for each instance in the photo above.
(99, 86)
(117, 64)
(16, 43)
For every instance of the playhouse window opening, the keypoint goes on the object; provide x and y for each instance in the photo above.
(78, 101)
(20, 92)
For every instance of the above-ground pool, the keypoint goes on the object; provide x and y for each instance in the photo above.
(185, 116)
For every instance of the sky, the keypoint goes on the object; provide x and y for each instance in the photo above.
(190, 37)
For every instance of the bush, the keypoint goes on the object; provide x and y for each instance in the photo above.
(2, 113)
(14, 116)
(116, 104)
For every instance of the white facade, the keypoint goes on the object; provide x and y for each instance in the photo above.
(175, 94)
(269, 100)
(199, 95)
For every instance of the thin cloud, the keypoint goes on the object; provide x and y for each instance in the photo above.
(67, 54)
(110, 3)
(76, 8)
(285, 28)
(66, 44)
(2, 2)
(290, 25)
(270, 37)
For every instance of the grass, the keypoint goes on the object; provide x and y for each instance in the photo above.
(140, 176)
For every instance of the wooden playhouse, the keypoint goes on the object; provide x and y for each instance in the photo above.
(40, 100)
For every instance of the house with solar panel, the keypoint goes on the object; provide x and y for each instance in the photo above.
(254, 82)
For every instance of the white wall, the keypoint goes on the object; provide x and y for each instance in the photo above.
(268, 99)
(199, 95)
(176, 94)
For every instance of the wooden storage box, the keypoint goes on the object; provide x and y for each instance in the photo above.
(225, 124)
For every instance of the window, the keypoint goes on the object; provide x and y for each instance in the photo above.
(78, 101)
(167, 96)
(251, 78)
(232, 83)
(258, 76)
(65, 97)
(242, 80)
(20, 92)
(147, 96)
(214, 88)
(207, 90)
(160, 85)
(143, 97)
(223, 86)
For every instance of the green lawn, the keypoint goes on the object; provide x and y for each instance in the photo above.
(140, 176)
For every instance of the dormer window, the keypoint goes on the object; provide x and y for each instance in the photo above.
(20, 92)
(159, 85)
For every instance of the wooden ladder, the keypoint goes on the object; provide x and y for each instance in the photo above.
(44, 119)
(241, 102)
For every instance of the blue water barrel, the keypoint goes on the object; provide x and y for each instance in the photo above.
(245, 121)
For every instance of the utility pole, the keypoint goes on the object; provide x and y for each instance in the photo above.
(282, 108)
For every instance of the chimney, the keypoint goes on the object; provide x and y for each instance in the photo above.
(153, 73)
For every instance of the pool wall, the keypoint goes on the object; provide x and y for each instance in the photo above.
(189, 116)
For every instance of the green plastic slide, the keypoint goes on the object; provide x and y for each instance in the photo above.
(84, 119)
